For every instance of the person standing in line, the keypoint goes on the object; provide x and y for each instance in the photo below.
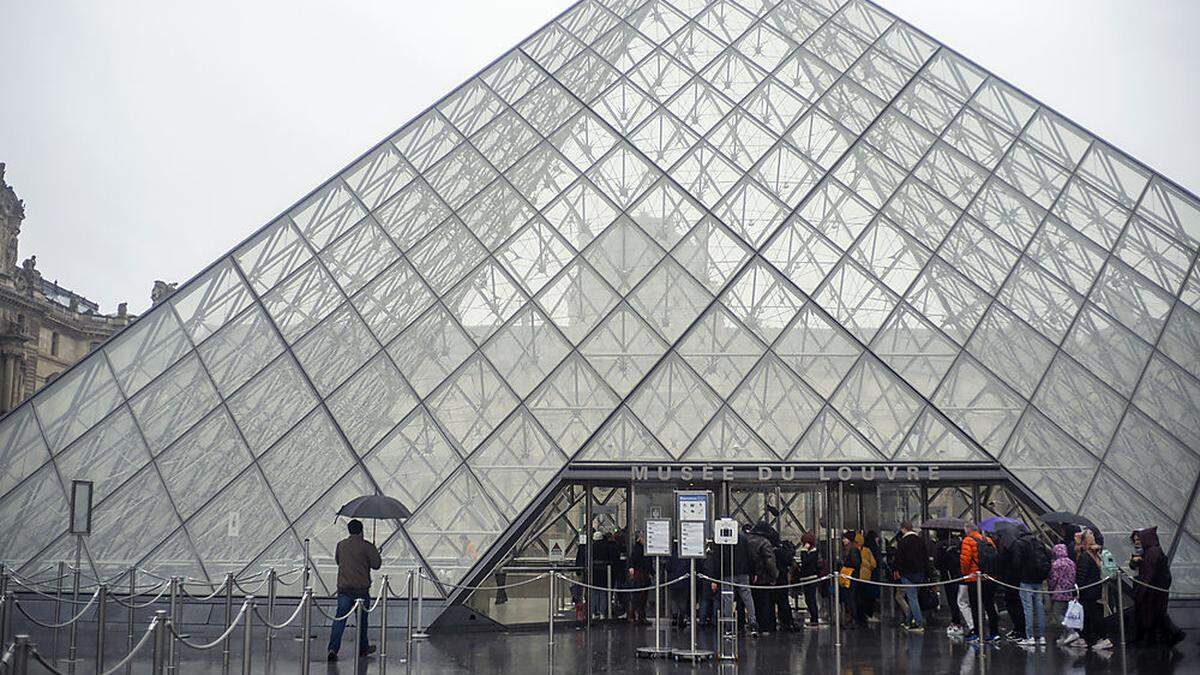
(1062, 585)
(809, 570)
(1010, 575)
(946, 562)
(1152, 622)
(873, 561)
(864, 600)
(979, 554)
(1087, 578)
(355, 558)
(851, 564)
(762, 554)
(709, 590)
(639, 577)
(1035, 569)
(742, 574)
(912, 559)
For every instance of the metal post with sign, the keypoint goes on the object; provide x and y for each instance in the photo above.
(80, 526)
(692, 509)
(725, 535)
(658, 545)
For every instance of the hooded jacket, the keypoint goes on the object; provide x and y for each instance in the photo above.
(1150, 605)
(911, 555)
(809, 558)
(1062, 574)
(968, 557)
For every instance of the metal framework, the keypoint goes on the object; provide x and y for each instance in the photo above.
(669, 231)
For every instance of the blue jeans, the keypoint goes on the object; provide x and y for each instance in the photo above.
(913, 597)
(1035, 610)
(345, 600)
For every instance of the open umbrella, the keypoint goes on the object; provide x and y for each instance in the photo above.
(957, 524)
(996, 522)
(374, 507)
(1068, 518)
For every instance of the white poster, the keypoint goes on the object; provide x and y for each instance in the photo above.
(658, 536)
(691, 539)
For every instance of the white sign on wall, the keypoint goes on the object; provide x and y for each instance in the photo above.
(658, 536)
(691, 539)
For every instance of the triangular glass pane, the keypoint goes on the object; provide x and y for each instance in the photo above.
(878, 404)
(836, 213)
(240, 349)
(1170, 396)
(915, 350)
(948, 300)
(300, 302)
(412, 460)
(76, 400)
(818, 350)
(979, 403)
(108, 455)
(674, 404)
(580, 213)
(516, 463)
(802, 254)
(483, 301)
(979, 254)
(534, 255)
(446, 255)
(711, 253)
(1082, 405)
(1107, 349)
(22, 449)
(306, 462)
(572, 403)
(663, 138)
(146, 349)
(202, 462)
(324, 532)
(623, 175)
(174, 402)
(624, 439)
(526, 350)
(721, 350)
(370, 403)
(456, 526)
(121, 532)
(856, 301)
(1011, 349)
(494, 214)
(271, 403)
(393, 300)
(430, 349)
(666, 214)
(577, 300)
(204, 305)
(891, 255)
(176, 557)
(471, 403)
(762, 300)
(1049, 462)
(727, 438)
(669, 299)
(31, 515)
(359, 256)
(1118, 510)
(237, 525)
(622, 349)
(750, 211)
(623, 255)
(932, 439)
(337, 347)
(829, 439)
(776, 403)
(1154, 463)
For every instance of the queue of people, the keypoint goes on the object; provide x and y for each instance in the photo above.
(939, 576)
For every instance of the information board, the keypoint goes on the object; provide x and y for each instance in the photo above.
(692, 506)
(658, 537)
(691, 538)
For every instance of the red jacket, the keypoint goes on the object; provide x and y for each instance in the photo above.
(968, 555)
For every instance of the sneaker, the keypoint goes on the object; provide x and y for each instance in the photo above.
(955, 630)
(1027, 642)
(993, 638)
(1077, 642)
(1102, 645)
(1042, 641)
(916, 628)
(368, 651)
(331, 657)
(1069, 637)
(753, 632)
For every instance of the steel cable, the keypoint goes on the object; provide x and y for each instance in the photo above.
(70, 621)
(220, 639)
(136, 648)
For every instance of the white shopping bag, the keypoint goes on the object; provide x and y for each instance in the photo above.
(1073, 619)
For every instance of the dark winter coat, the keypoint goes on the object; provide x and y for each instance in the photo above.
(810, 559)
(1087, 571)
(947, 558)
(742, 562)
(1009, 555)
(1026, 553)
(911, 555)
(762, 558)
(639, 561)
(1153, 569)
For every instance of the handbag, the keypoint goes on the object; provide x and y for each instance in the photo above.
(1073, 619)
(847, 573)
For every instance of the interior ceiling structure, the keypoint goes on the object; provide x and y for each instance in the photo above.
(664, 231)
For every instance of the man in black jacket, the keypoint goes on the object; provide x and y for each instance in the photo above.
(946, 561)
(1011, 562)
(743, 574)
(912, 558)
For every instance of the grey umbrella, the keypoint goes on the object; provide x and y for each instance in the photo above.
(374, 507)
(957, 524)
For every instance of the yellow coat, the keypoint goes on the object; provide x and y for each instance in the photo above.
(868, 559)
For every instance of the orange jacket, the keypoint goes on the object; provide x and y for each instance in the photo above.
(968, 555)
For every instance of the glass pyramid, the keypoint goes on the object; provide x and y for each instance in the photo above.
(664, 230)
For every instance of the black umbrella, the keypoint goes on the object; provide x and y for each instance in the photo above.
(957, 524)
(1068, 518)
(374, 507)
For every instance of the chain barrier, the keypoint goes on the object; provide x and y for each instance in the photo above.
(220, 639)
(623, 590)
(798, 584)
(77, 617)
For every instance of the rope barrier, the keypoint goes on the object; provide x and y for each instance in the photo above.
(242, 588)
(45, 664)
(299, 606)
(136, 648)
(924, 584)
(51, 597)
(220, 639)
(70, 621)
(496, 588)
(1160, 589)
(219, 590)
(622, 590)
(347, 615)
(1040, 591)
(797, 584)
(162, 590)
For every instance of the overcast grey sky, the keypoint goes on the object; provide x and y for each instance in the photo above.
(149, 137)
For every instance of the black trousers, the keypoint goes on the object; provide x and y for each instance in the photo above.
(782, 608)
(951, 590)
(1016, 610)
(989, 607)
(764, 608)
(1094, 629)
(810, 599)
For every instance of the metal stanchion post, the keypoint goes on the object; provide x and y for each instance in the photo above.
(837, 605)
(130, 618)
(72, 630)
(359, 619)
(305, 630)
(657, 650)
(408, 621)
(172, 653)
(161, 636)
(982, 639)
(550, 615)
(225, 651)
(101, 616)
(247, 634)
(305, 580)
(420, 633)
(1120, 606)
(383, 624)
(608, 610)
(6, 610)
(21, 650)
(58, 591)
(271, 578)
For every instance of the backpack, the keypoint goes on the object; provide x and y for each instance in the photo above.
(987, 556)
(1108, 563)
(785, 555)
(1036, 560)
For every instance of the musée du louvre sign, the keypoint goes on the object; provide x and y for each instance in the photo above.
(767, 472)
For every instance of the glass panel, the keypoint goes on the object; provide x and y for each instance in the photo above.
(742, 139)
(379, 175)
(494, 214)
(584, 140)
(505, 140)
(622, 439)
(371, 403)
(1057, 138)
(572, 403)
(663, 138)
(392, 300)
(201, 462)
(820, 139)
(1033, 174)
(426, 139)
(951, 173)
(666, 213)
(337, 347)
(869, 174)
(818, 350)
(802, 254)
(1090, 212)
(1111, 171)
(622, 349)
(447, 255)
(900, 139)
(526, 350)
(788, 174)
(721, 350)
(306, 462)
(430, 349)
(325, 215)
(1172, 398)
(516, 463)
(240, 349)
(413, 460)
(1119, 510)
(928, 105)
(880, 74)
(461, 175)
(22, 449)
(922, 212)
(851, 105)
(456, 526)
(1180, 341)
(577, 300)
(272, 254)
(836, 213)
(837, 46)
(976, 137)
(1044, 302)
(1004, 104)
(623, 255)
(669, 300)
(829, 438)
(932, 439)
(660, 76)
(856, 301)
(1172, 210)
(472, 403)
(674, 404)
(979, 404)
(979, 254)
(1154, 254)
(109, 454)
(1135, 302)
(31, 515)
(776, 403)
(904, 43)
(541, 175)
(145, 349)
(1049, 462)
(324, 532)
(484, 301)
(121, 532)
(762, 300)
(727, 438)
(76, 400)
(1007, 212)
(359, 256)
(711, 253)
(1011, 349)
(547, 106)
(1154, 463)
(894, 257)
(954, 74)
(580, 213)
(512, 76)
(915, 350)
(878, 404)
(271, 403)
(236, 527)
(1113, 353)
(705, 174)
(1080, 404)
(207, 303)
(302, 301)
(1067, 254)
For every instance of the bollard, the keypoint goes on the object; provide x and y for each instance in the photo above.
(608, 610)
(979, 622)
(1120, 606)
(161, 636)
(129, 636)
(101, 616)
(21, 648)
(305, 578)
(305, 630)
(408, 622)
(58, 591)
(271, 580)
(420, 632)
(551, 613)
(172, 653)
(72, 630)
(6, 611)
(837, 608)
(383, 624)
(247, 633)
(225, 651)
(359, 619)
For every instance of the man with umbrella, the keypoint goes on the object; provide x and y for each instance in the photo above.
(355, 558)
